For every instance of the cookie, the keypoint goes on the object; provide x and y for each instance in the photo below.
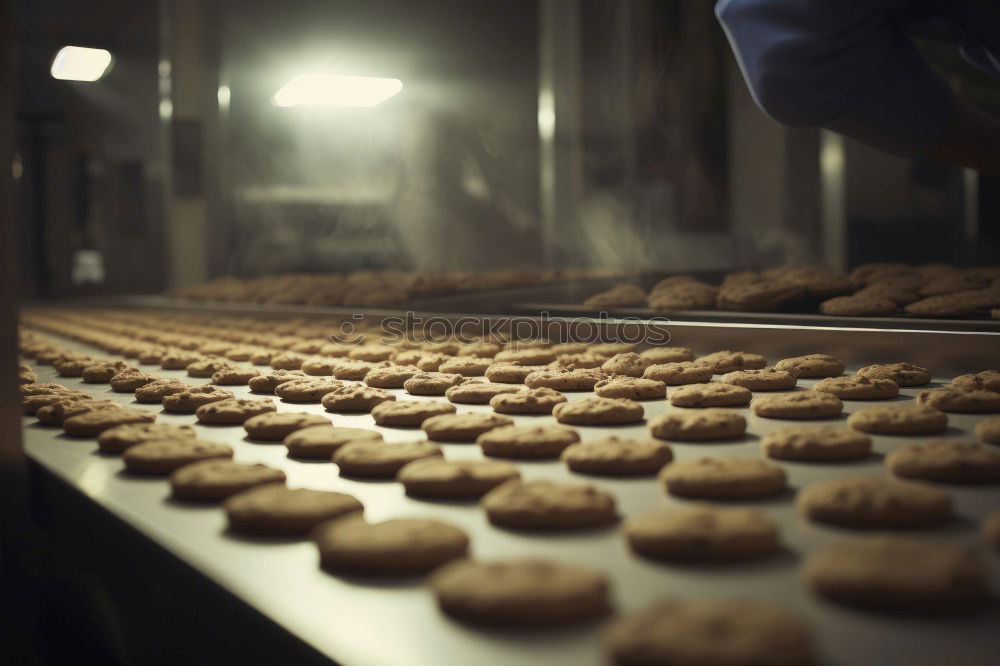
(57, 411)
(858, 305)
(409, 413)
(599, 411)
(431, 383)
(764, 379)
(467, 366)
(478, 393)
(812, 366)
(355, 398)
(276, 426)
(703, 533)
(101, 372)
(509, 373)
(352, 370)
(454, 479)
(274, 510)
(988, 430)
(25, 375)
(563, 348)
(320, 441)
(629, 364)
(155, 392)
(96, 421)
(188, 400)
(378, 460)
(663, 355)
(127, 381)
(816, 444)
(904, 374)
(373, 353)
(119, 438)
(462, 427)
(582, 379)
(961, 401)
(287, 361)
(632, 388)
(952, 283)
(318, 366)
(391, 377)
(30, 404)
(903, 420)
(206, 367)
(215, 480)
(529, 593)
(178, 359)
(71, 367)
(529, 401)
(532, 356)
(542, 441)
(42, 388)
(404, 546)
(262, 356)
(893, 573)
(802, 405)
(158, 457)
(729, 361)
(712, 394)
(233, 411)
(945, 305)
(723, 478)
(946, 461)
(689, 295)
(900, 294)
(267, 382)
(856, 387)
(875, 503)
(710, 632)
(702, 426)
(619, 296)
(549, 505)
(987, 380)
(757, 296)
(234, 375)
(614, 456)
(676, 374)
(578, 361)
(311, 389)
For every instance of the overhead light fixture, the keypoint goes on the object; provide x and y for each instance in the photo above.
(334, 90)
(79, 63)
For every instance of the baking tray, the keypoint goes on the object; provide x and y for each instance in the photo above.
(359, 622)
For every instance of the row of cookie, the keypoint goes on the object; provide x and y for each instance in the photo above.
(203, 332)
(872, 289)
(810, 366)
(816, 365)
(603, 412)
(177, 396)
(373, 288)
(962, 396)
(518, 365)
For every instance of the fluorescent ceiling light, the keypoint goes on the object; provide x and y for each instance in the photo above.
(333, 90)
(78, 63)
